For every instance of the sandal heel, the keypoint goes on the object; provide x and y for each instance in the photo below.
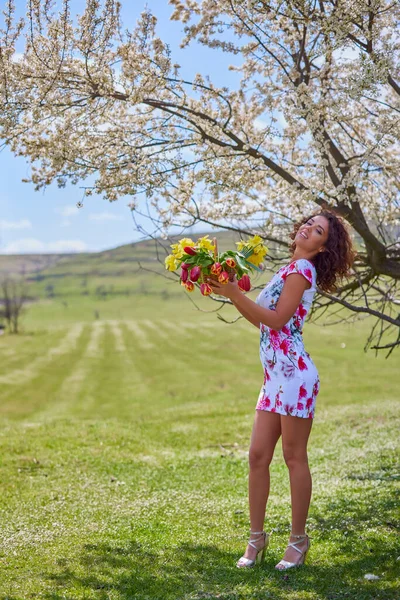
(260, 556)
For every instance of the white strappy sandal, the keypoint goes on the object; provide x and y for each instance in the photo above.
(285, 564)
(247, 562)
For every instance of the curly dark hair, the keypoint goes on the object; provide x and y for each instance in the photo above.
(336, 261)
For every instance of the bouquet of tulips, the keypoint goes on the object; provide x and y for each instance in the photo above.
(200, 260)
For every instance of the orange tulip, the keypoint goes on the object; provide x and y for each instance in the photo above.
(206, 289)
(189, 285)
(223, 277)
(216, 268)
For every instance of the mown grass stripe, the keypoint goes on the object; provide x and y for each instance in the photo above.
(32, 370)
(119, 343)
(94, 348)
(140, 334)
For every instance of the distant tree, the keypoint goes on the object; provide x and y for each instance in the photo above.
(13, 297)
(164, 295)
(49, 289)
(313, 122)
(101, 292)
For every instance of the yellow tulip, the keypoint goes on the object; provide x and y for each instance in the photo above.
(171, 263)
(205, 243)
(177, 250)
(254, 241)
(255, 259)
(186, 242)
(260, 250)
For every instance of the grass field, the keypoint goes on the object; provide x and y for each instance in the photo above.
(124, 442)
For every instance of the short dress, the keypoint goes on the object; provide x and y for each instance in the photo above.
(291, 381)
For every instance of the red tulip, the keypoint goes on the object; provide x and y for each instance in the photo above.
(244, 283)
(185, 266)
(184, 275)
(231, 262)
(189, 285)
(189, 250)
(223, 277)
(195, 273)
(206, 289)
(216, 268)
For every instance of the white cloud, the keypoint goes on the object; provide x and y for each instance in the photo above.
(22, 224)
(105, 216)
(34, 246)
(260, 123)
(17, 56)
(69, 210)
(344, 54)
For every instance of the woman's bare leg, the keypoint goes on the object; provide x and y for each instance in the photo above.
(295, 434)
(266, 432)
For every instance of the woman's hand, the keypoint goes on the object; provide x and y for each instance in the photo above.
(229, 290)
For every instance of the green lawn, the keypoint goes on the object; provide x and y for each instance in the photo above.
(124, 445)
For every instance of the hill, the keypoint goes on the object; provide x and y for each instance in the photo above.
(122, 270)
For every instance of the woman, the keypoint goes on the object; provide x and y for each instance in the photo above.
(321, 253)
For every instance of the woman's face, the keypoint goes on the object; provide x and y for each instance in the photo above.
(313, 235)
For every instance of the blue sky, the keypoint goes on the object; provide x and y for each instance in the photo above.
(49, 221)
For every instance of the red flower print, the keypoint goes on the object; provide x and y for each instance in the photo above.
(308, 274)
(301, 311)
(309, 402)
(300, 406)
(302, 392)
(270, 364)
(301, 364)
(278, 402)
(273, 409)
(266, 376)
(286, 330)
(297, 322)
(274, 338)
(284, 346)
(288, 369)
(264, 403)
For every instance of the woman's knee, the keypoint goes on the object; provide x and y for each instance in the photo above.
(294, 457)
(259, 458)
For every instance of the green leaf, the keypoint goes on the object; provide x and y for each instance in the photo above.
(188, 259)
(242, 263)
(252, 266)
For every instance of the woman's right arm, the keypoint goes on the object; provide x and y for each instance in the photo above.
(247, 315)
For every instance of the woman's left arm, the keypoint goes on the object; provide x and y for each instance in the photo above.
(289, 300)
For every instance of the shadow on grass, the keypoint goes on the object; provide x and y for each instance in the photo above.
(199, 572)
(352, 534)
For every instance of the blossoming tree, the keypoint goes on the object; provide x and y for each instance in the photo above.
(315, 120)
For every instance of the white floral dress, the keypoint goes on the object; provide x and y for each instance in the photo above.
(291, 381)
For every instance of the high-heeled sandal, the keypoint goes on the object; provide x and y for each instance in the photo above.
(285, 564)
(244, 562)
